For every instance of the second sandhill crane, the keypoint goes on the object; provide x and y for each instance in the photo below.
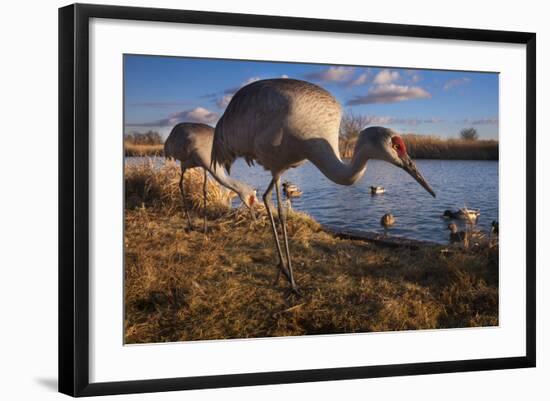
(191, 144)
(281, 123)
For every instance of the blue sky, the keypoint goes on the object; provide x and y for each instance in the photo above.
(162, 91)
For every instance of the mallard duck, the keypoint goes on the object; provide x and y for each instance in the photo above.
(377, 190)
(387, 220)
(462, 214)
(291, 190)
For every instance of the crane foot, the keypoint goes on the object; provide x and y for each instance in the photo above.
(296, 291)
(282, 269)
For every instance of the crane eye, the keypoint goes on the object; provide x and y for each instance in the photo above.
(396, 146)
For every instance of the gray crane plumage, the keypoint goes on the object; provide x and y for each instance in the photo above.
(191, 144)
(281, 123)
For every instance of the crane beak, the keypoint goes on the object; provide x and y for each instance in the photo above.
(410, 167)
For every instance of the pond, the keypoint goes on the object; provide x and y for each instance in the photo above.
(457, 183)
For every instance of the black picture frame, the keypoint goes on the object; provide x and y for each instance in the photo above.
(74, 200)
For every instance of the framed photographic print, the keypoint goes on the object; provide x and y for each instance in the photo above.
(249, 199)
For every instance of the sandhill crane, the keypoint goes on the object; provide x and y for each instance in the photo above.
(281, 123)
(191, 144)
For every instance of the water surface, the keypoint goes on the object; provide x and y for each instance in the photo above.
(457, 183)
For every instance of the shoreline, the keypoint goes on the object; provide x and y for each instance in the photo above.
(377, 238)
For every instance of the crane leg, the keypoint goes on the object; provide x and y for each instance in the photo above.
(183, 199)
(282, 219)
(267, 201)
(204, 194)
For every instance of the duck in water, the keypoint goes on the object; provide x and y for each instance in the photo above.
(377, 190)
(291, 190)
(387, 220)
(462, 214)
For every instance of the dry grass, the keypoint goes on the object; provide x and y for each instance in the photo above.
(133, 149)
(147, 186)
(433, 147)
(182, 286)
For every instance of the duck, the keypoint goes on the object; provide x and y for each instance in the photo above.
(387, 220)
(456, 236)
(377, 190)
(291, 190)
(462, 214)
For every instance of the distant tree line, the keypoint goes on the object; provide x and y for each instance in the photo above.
(144, 138)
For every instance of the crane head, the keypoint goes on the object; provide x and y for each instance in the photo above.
(385, 144)
(250, 199)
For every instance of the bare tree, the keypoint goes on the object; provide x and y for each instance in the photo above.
(469, 134)
(350, 127)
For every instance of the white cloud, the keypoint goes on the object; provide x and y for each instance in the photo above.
(223, 101)
(360, 80)
(196, 115)
(388, 120)
(332, 74)
(390, 93)
(386, 77)
(456, 82)
(480, 121)
(412, 76)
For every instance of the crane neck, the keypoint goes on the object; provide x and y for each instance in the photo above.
(234, 185)
(326, 157)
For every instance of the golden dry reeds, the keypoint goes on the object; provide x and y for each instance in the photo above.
(141, 150)
(150, 185)
(433, 147)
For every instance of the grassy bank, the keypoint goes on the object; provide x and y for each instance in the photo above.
(180, 285)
